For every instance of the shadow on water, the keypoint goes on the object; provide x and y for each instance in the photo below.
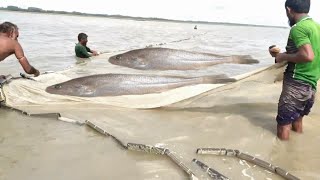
(259, 114)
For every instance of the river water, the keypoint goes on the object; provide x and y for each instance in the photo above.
(43, 148)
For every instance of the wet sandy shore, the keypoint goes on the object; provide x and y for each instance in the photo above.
(36, 148)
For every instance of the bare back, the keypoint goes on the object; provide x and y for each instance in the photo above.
(8, 47)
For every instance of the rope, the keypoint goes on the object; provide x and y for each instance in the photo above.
(157, 44)
(212, 173)
(146, 149)
(230, 152)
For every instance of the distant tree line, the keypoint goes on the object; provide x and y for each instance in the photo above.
(35, 9)
(30, 9)
(39, 10)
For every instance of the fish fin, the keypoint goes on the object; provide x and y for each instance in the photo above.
(140, 63)
(244, 59)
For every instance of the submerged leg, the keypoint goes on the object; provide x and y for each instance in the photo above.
(297, 125)
(283, 131)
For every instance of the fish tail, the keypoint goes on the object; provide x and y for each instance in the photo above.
(217, 79)
(244, 59)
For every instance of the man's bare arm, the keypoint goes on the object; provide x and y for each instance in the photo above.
(24, 61)
(304, 54)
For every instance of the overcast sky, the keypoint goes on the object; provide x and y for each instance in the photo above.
(267, 12)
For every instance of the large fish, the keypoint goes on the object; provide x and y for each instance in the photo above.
(126, 84)
(172, 59)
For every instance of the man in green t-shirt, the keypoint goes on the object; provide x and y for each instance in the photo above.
(303, 70)
(81, 48)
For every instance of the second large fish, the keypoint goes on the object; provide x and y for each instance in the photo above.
(173, 59)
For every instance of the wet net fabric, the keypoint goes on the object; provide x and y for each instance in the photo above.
(22, 93)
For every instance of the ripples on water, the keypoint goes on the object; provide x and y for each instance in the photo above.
(48, 41)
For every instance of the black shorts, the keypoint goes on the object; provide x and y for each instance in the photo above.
(296, 100)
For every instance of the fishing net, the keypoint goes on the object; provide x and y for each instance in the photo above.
(173, 123)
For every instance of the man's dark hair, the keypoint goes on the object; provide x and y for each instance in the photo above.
(8, 27)
(82, 36)
(298, 6)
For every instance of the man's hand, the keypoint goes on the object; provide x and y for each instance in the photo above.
(304, 55)
(280, 57)
(274, 50)
(95, 53)
(37, 73)
(2, 77)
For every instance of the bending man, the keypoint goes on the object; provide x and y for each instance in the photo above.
(9, 45)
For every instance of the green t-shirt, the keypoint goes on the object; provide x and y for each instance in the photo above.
(82, 51)
(305, 31)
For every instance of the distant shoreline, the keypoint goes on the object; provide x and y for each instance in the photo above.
(38, 10)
